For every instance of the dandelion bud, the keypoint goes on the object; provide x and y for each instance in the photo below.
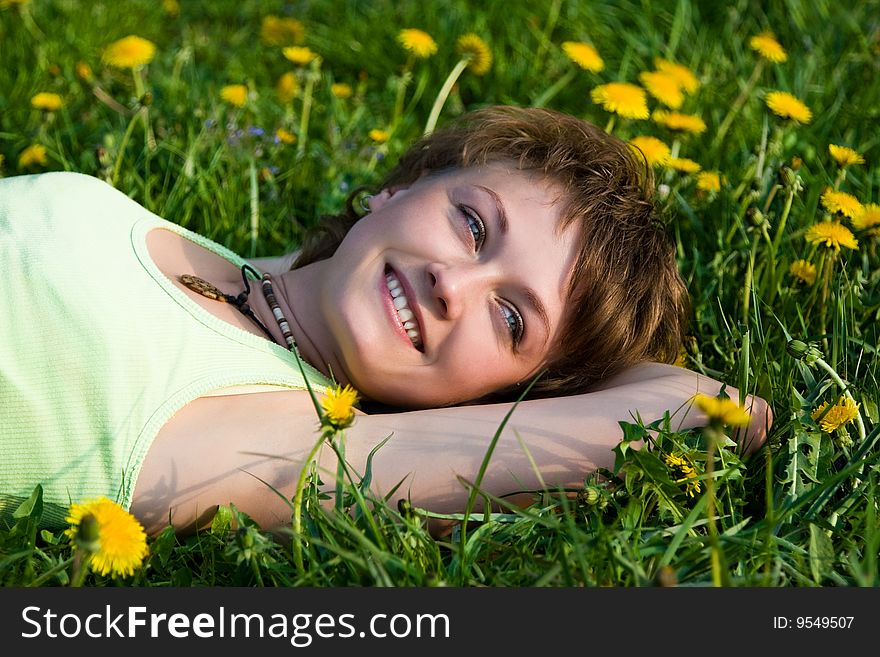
(88, 535)
(755, 216)
(666, 576)
(795, 163)
(789, 179)
(589, 495)
(842, 438)
(808, 353)
(146, 100)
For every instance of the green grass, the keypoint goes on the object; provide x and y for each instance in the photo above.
(802, 512)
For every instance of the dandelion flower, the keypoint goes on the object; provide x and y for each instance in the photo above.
(844, 411)
(783, 104)
(832, 234)
(683, 74)
(33, 154)
(664, 87)
(285, 137)
(844, 156)
(709, 181)
(868, 218)
(47, 101)
(286, 88)
(171, 7)
(122, 543)
(684, 471)
(766, 45)
(472, 45)
(341, 90)
(804, 271)
(299, 55)
(723, 410)
(379, 136)
(418, 42)
(679, 121)
(622, 98)
(683, 164)
(234, 94)
(584, 55)
(655, 151)
(338, 407)
(277, 31)
(130, 52)
(84, 72)
(846, 204)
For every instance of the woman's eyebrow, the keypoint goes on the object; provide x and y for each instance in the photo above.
(531, 296)
(499, 208)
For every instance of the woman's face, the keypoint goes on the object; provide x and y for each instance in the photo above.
(449, 289)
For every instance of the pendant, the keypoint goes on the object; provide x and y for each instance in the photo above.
(202, 286)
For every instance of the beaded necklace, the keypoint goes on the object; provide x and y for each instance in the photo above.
(210, 291)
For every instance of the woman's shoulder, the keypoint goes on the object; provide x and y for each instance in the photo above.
(65, 188)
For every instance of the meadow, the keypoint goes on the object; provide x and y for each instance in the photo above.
(247, 121)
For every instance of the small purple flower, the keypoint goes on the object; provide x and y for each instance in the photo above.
(256, 131)
(210, 123)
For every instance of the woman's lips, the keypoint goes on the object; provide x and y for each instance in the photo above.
(415, 337)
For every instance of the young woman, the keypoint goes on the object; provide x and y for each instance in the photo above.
(141, 361)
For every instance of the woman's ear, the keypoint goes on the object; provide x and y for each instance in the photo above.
(376, 201)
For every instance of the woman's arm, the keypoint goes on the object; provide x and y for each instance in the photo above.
(219, 450)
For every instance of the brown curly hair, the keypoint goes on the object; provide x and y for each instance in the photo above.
(626, 301)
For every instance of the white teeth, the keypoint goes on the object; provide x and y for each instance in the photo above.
(403, 312)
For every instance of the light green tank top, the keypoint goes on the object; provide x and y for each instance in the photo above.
(98, 349)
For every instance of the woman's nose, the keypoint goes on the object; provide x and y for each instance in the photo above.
(451, 286)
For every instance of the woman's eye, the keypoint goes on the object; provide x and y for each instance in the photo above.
(475, 225)
(514, 322)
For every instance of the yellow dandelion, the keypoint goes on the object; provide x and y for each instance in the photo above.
(678, 121)
(584, 55)
(709, 181)
(418, 42)
(664, 87)
(804, 271)
(683, 164)
(627, 100)
(844, 411)
(783, 104)
(846, 204)
(722, 410)
(832, 234)
(299, 55)
(284, 137)
(121, 541)
(341, 90)
(684, 471)
(13, 3)
(379, 136)
(287, 87)
(766, 45)
(868, 218)
(338, 407)
(46, 101)
(683, 74)
(472, 46)
(130, 52)
(84, 72)
(844, 155)
(35, 154)
(234, 94)
(171, 7)
(277, 31)
(655, 151)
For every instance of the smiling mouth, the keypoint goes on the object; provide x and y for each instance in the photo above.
(404, 312)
